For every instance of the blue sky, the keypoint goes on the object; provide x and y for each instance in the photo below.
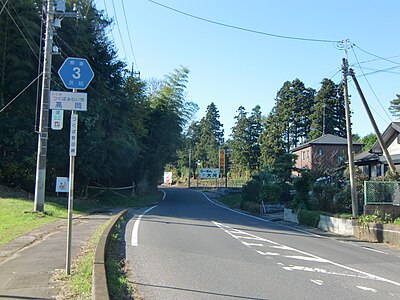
(235, 68)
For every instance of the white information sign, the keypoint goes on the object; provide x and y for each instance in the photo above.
(73, 136)
(68, 101)
(62, 185)
(57, 118)
(168, 177)
(208, 173)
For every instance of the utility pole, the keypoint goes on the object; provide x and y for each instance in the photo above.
(372, 120)
(53, 9)
(44, 112)
(354, 200)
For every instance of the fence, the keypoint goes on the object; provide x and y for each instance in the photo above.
(216, 183)
(381, 192)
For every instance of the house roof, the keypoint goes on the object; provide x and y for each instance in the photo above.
(326, 139)
(388, 136)
(365, 156)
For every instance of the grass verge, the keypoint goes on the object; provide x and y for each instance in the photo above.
(17, 218)
(78, 285)
(232, 201)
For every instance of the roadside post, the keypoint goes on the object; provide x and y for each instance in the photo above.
(76, 74)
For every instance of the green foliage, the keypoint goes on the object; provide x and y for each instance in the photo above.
(376, 217)
(250, 206)
(343, 200)
(233, 201)
(251, 191)
(270, 193)
(309, 218)
(328, 113)
(322, 197)
(303, 186)
(396, 221)
(369, 140)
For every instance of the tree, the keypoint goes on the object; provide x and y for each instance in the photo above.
(211, 138)
(328, 114)
(395, 106)
(241, 144)
(369, 140)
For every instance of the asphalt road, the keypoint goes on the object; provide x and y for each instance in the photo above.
(187, 247)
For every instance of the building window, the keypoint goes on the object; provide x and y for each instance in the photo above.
(303, 154)
(320, 151)
(398, 139)
(308, 153)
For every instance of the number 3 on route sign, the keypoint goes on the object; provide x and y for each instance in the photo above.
(76, 73)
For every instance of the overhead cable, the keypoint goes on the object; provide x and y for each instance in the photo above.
(129, 35)
(242, 28)
(366, 79)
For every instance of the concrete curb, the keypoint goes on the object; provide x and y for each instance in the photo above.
(99, 277)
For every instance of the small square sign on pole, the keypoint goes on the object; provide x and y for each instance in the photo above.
(62, 185)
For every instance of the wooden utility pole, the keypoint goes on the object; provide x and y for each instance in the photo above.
(371, 118)
(350, 151)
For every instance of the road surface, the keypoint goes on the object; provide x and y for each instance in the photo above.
(188, 247)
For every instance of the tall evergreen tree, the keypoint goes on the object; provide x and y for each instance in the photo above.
(211, 138)
(328, 111)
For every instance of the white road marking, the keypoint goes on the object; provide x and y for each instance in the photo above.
(317, 281)
(135, 230)
(366, 289)
(252, 244)
(374, 250)
(268, 253)
(307, 258)
(361, 274)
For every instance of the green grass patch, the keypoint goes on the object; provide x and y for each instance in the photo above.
(232, 201)
(17, 218)
(117, 282)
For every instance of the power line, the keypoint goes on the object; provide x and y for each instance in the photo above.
(19, 29)
(4, 6)
(119, 30)
(129, 35)
(377, 56)
(15, 98)
(366, 79)
(242, 28)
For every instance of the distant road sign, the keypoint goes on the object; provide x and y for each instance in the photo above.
(68, 101)
(76, 73)
(208, 173)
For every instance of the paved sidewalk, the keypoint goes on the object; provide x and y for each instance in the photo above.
(27, 263)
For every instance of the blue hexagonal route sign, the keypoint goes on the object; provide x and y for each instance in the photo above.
(76, 73)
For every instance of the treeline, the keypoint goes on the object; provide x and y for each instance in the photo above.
(300, 114)
(131, 129)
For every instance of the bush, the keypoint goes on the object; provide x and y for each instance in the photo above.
(323, 197)
(309, 218)
(397, 221)
(302, 185)
(251, 191)
(270, 193)
(343, 201)
(250, 206)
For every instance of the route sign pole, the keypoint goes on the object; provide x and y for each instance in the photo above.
(72, 154)
(75, 73)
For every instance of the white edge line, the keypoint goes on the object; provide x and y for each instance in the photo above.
(135, 230)
(261, 219)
